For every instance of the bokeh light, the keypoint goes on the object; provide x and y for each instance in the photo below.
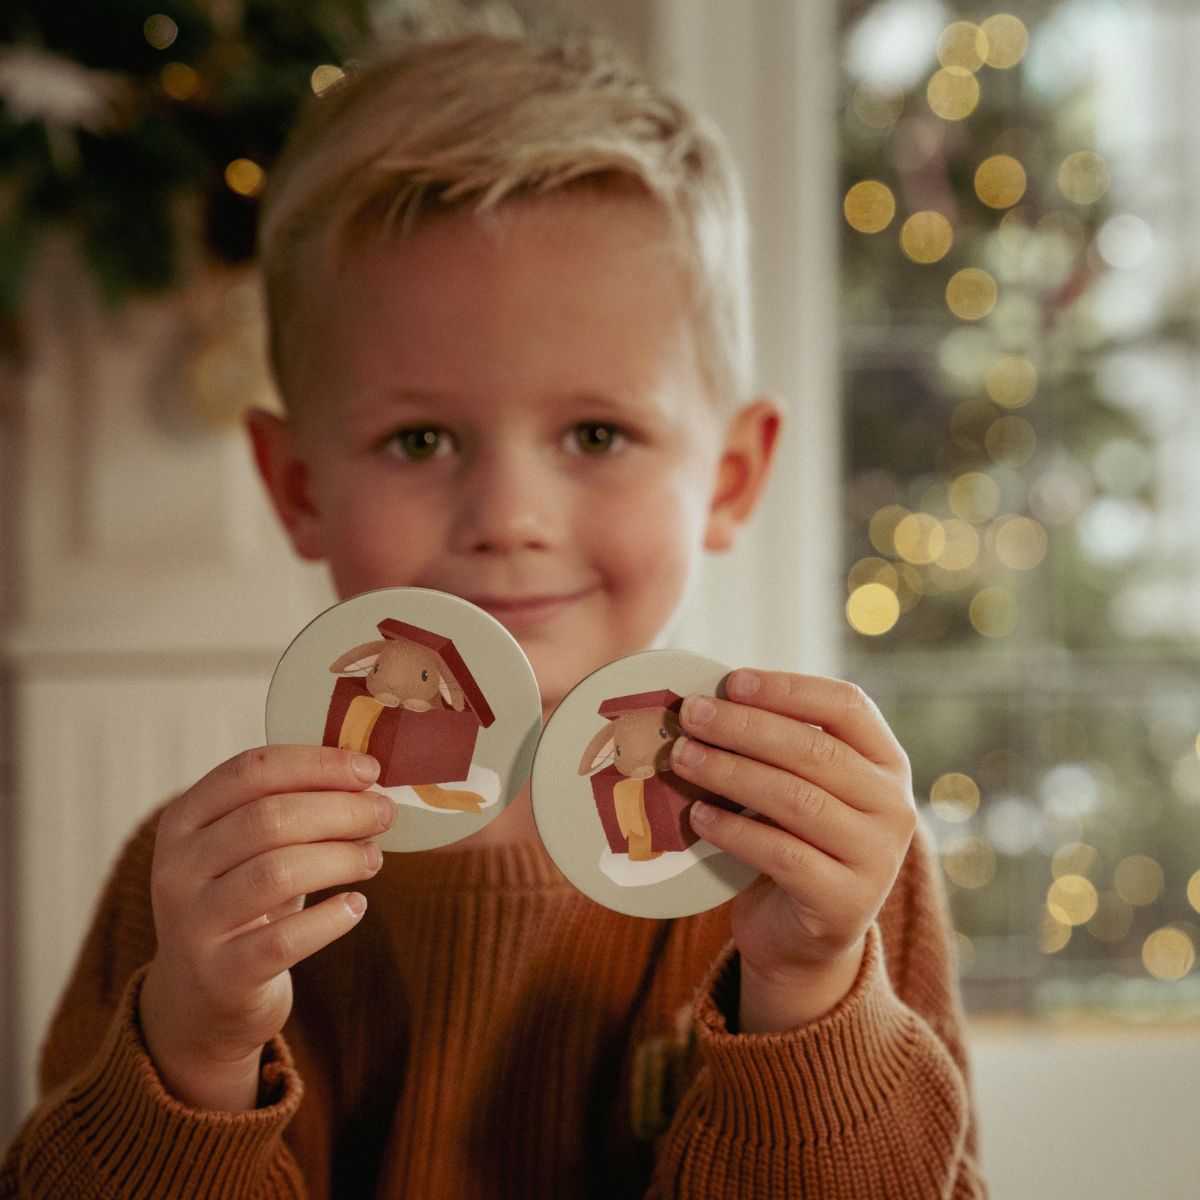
(1019, 542)
(969, 862)
(1138, 879)
(1112, 920)
(1012, 381)
(1072, 899)
(971, 294)
(953, 93)
(1193, 890)
(974, 497)
(160, 31)
(1075, 858)
(919, 538)
(1053, 934)
(1083, 177)
(882, 527)
(876, 109)
(960, 550)
(245, 177)
(926, 237)
(963, 45)
(179, 81)
(1010, 440)
(324, 77)
(869, 206)
(872, 609)
(994, 612)
(1168, 954)
(1007, 40)
(954, 796)
(1000, 181)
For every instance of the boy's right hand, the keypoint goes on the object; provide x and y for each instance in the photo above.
(233, 860)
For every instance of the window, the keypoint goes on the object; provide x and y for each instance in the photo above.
(1023, 507)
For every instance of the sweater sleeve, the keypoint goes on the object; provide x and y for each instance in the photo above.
(105, 1126)
(872, 1100)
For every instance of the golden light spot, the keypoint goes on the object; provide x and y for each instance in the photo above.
(964, 952)
(1083, 177)
(1012, 381)
(954, 796)
(1193, 891)
(1072, 899)
(1138, 879)
(953, 93)
(1000, 181)
(1074, 858)
(179, 81)
(877, 110)
(961, 549)
(926, 237)
(1010, 440)
(1007, 40)
(1113, 918)
(971, 294)
(1020, 542)
(324, 77)
(919, 538)
(872, 570)
(1168, 954)
(872, 609)
(994, 612)
(160, 31)
(974, 497)
(969, 861)
(869, 206)
(882, 527)
(245, 177)
(962, 45)
(1053, 934)
(911, 587)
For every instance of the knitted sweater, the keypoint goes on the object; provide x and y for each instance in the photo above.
(488, 1031)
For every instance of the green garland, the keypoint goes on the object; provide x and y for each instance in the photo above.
(119, 116)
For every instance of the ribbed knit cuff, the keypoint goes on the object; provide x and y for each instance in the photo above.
(815, 1082)
(142, 1143)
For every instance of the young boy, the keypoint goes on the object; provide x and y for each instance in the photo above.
(506, 292)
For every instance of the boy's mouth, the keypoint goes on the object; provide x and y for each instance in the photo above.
(528, 610)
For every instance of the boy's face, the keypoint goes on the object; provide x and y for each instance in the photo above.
(514, 413)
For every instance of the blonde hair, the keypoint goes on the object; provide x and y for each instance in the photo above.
(478, 120)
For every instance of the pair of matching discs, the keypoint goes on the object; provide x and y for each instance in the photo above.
(442, 695)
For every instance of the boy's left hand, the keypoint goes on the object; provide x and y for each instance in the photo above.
(832, 814)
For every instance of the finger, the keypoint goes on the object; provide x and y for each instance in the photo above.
(264, 883)
(256, 957)
(269, 771)
(841, 708)
(798, 867)
(791, 745)
(274, 821)
(794, 803)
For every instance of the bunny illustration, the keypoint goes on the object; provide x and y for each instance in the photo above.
(410, 671)
(636, 743)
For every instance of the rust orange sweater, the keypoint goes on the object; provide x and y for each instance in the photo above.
(487, 1031)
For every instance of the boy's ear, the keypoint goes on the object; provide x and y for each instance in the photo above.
(742, 473)
(284, 471)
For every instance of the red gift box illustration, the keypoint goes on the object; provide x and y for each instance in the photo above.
(417, 709)
(642, 803)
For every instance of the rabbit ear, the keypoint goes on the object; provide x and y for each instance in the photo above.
(361, 658)
(599, 750)
(451, 693)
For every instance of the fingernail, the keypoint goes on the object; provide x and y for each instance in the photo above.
(742, 684)
(688, 752)
(374, 856)
(365, 767)
(385, 812)
(356, 902)
(701, 813)
(697, 709)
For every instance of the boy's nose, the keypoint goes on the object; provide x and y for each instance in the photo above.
(505, 503)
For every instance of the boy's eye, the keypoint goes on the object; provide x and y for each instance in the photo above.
(594, 437)
(419, 444)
